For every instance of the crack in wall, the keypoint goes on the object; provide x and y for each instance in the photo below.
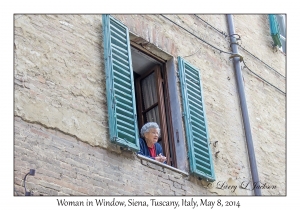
(109, 147)
(52, 128)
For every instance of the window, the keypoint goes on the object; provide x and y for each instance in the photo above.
(278, 31)
(140, 88)
(152, 98)
(282, 28)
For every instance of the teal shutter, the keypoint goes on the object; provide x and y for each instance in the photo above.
(274, 28)
(200, 158)
(122, 117)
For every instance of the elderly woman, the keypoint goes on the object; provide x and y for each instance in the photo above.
(148, 143)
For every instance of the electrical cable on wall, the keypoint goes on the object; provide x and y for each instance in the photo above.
(221, 32)
(242, 60)
(192, 54)
(262, 78)
(225, 35)
(261, 61)
(221, 51)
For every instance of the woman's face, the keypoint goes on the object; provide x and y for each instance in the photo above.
(152, 135)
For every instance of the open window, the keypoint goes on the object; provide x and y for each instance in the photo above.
(152, 98)
(278, 30)
(282, 28)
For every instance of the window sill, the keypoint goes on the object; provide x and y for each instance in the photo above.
(162, 165)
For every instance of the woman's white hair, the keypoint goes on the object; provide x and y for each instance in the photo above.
(146, 128)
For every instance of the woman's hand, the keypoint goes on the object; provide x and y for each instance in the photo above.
(160, 158)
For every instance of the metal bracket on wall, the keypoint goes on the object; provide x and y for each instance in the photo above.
(237, 55)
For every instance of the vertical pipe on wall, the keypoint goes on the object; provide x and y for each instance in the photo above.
(240, 84)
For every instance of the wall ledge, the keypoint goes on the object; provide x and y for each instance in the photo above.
(162, 165)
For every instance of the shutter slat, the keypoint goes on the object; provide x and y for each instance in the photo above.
(124, 98)
(201, 150)
(199, 136)
(197, 97)
(194, 105)
(196, 100)
(203, 169)
(205, 161)
(124, 118)
(192, 88)
(120, 59)
(122, 66)
(198, 130)
(122, 84)
(118, 30)
(119, 49)
(189, 78)
(200, 158)
(128, 125)
(125, 136)
(122, 87)
(123, 129)
(119, 74)
(193, 96)
(123, 111)
(118, 42)
(122, 70)
(198, 114)
(199, 143)
(198, 121)
(114, 33)
(191, 72)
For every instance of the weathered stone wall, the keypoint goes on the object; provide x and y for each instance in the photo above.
(60, 105)
(67, 166)
(59, 74)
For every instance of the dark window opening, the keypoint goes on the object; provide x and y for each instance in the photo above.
(152, 102)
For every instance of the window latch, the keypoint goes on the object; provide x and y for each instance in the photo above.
(177, 135)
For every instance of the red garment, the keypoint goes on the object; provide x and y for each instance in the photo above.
(152, 151)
